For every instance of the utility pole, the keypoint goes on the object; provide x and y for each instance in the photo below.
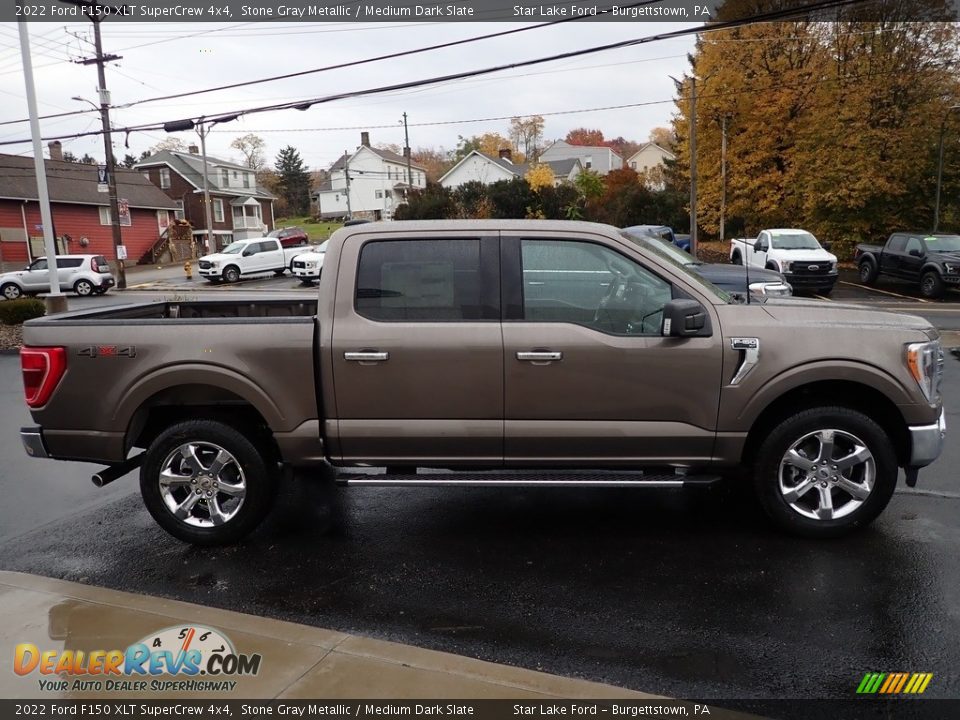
(207, 207)
(693, 166)
(406, 152)
(100, 60)
(723, 174)
(55, 301)
(346, 167)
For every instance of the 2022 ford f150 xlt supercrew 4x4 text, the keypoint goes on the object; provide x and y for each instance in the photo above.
(509, 352)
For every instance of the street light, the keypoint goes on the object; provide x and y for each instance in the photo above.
(943, 130)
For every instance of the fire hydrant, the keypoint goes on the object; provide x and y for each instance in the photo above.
(188, 270)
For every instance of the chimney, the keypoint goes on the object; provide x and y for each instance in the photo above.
(194, 150)
(56, 150)
(506, 154)
(365, 138)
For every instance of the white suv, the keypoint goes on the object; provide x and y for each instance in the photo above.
(84, 274)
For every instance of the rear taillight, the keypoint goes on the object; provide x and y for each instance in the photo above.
(42, 367)
(94, 265)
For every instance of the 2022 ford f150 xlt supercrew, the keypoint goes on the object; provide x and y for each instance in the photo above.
(509, 352)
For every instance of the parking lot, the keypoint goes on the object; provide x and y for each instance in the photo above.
(681, 594)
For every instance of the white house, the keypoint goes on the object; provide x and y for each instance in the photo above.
(598, 158)
(478, 167)
(649, 156)
(378, 182)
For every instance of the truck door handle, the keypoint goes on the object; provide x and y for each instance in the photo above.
(540, 356)
(366, 356)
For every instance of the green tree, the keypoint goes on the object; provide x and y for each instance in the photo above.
(432, 203)
(293, 181)
(129, 160)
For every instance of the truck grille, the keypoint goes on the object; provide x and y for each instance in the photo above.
(205, 264)
(812, 268)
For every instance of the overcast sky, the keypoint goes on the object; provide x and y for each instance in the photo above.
(164, 58)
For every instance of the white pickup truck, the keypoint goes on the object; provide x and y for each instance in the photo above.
(796, 254)
(247, 257)
(308, 266)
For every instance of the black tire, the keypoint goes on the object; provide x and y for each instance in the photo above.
(308, 282)
(11, 291)
(768, 482)
(259, 474)
(279, 273)
(736, 259)
(931, 285)
(868, 272)
(83, 287)
(102, 290)
(231, 274)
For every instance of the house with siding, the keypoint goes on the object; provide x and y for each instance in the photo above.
(651, 160)
(81, 214)
(480, 167)
(240, 210)
(598, 158)
(378, 183)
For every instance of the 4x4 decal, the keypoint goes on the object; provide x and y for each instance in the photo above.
(95, 351)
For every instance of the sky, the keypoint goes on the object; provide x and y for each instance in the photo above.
(165, 58)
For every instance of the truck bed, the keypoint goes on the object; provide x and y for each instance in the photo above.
(194, 309)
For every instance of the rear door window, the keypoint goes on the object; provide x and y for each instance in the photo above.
(422, 281)
(63, 263)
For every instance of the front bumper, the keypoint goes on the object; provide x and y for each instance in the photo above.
(926, 441)
(32, 439)
(313, 273)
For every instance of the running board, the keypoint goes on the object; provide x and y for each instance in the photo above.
(528, 479)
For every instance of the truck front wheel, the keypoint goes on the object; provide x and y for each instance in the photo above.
(825, 471)
(931, 284)
(231, 274)
(205, 483)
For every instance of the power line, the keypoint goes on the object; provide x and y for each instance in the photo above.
(304, 104)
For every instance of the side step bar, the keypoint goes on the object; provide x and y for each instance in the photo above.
(528, 479)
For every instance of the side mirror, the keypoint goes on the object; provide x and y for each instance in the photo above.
(759, 246)
(685, 318)
(826, 245)
(248, 252)
(916, 252)
(27, 267)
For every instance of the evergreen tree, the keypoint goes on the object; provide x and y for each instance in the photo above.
(294, 181)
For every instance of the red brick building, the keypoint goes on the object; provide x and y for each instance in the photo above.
(81, 214)
(241, 209)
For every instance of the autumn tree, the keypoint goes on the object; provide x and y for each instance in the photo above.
(436, 162)
(490, 143)
(585, 136)
(527, 135)
(663, 136)
(539, 175)
(252, 148)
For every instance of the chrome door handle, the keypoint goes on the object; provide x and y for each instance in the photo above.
(366, 356)
(540, 356)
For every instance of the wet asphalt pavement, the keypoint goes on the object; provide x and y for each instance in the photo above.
(681, 594)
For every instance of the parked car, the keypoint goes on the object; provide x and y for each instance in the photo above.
(665, 233)
(729, 278)
(307, 266)
(290, 237)
(562, 350)
(930, 259)
(83, 274)
(247, 257)
(795, 254)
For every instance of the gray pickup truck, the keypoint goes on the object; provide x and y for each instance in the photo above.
(503, 353)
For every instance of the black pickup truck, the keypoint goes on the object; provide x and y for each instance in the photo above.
(932, 260)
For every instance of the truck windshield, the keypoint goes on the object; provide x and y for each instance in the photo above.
(794, 241)
(234, 248)
(943, 243)
(679, 259)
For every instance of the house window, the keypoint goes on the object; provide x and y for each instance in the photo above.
(105, 217)
(246, 180)
(218, 210)
(588, 162)
(225, 178)
(163, 220)
(379, 194)
(164, 178)
(633, 165)
(178, 213)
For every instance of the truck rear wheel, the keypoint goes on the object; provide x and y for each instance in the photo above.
(205, 483)
(825, 471)
(868, 272)
(736, 259)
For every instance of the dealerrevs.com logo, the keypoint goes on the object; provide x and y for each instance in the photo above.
(181, 654)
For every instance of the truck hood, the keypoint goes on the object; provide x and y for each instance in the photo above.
(800, 311)
(818, 255)
(953, 257)
(220, 257)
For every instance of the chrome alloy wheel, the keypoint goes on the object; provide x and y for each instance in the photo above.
(827, 474)
(202, 484)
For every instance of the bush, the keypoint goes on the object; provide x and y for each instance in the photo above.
(15, 312)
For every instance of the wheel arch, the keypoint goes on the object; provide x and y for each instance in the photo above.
(851, 394)
(931, 266)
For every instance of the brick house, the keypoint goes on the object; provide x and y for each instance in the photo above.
(81, 214)
(241, 208)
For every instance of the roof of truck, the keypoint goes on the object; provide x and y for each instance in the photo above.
(385, 226)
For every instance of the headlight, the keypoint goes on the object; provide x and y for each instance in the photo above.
(784, 266)
(311, 265)
(833, 267)
(951, 268)
(925, 362)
